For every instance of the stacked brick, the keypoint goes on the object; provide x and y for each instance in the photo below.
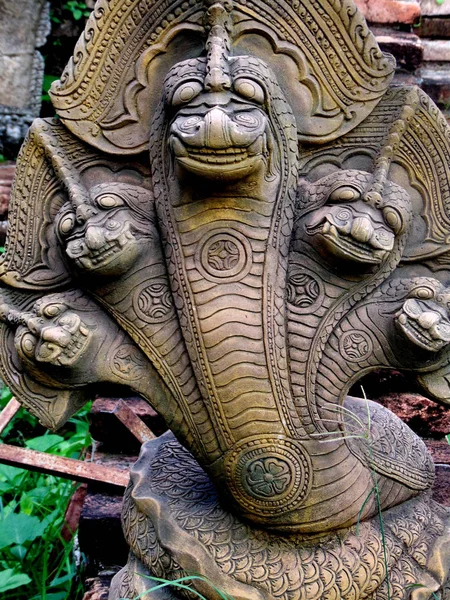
(417, 33)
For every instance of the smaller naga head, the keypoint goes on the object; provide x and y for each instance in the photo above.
(107, 236)
(52, 333)
(425, 318)
(348, 228)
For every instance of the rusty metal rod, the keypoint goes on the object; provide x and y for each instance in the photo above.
(68, 468)
(133, 422)
(8, 413)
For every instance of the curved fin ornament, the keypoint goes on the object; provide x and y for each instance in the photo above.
(331, 67)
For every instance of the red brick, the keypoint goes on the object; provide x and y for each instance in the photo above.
(407, 48)
(432, 8)
(389, 11)
(6, 177)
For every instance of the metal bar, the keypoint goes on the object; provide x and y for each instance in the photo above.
(68, 468)
(8, 413)
(133, 423)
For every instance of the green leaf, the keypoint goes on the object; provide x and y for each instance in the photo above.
(40, 493)
(12, 474)
(46, 85)
(26, 504)
(18, 552)
(19, 528)
(10, 580)
(5, 487)
(6, 394)
(56, 596)
(44, 443)
(60, 580)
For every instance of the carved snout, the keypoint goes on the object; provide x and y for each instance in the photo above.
(218, 130)
(426, 324)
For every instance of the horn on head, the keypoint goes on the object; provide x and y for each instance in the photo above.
(218, 24)
(373, 194)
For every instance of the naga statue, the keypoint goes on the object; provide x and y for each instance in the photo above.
(237, 216)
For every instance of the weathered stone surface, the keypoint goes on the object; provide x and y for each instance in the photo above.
(433, 8)
(24, 25)
(441, 488)
(436, 50)
(96, 589)
(407, 48)
(236, 229)
(390, 11)
(100, 532)
(439, 450)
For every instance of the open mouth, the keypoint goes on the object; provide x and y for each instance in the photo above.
(61, 344)
(347, 245)
(103, 255)
(75, 347)
(224, 156)
(418, 335)
(217, 163)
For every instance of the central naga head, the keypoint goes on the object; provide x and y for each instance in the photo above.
(220, 126)
(220, 135)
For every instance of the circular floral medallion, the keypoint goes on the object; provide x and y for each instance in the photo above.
(269, 476)
(224, 256)
(304, 292)
(355, 345)
(152, 301)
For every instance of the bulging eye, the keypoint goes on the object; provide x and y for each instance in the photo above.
(393, 219)
(345, 194)
(67, 223)
(111, 224)
(53, 310)
(109, 201)
(249, 89)
(186, 92)
(27, 344)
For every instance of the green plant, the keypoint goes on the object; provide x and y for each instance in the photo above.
(46, 84)
(77, 8)
(181, 584)
(33, 552)
(362, 431)
(412, 586)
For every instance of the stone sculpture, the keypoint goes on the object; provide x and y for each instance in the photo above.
(237, 216)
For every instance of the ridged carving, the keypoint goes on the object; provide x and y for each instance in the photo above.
(106, 94)
(285, 233)
(347, 564)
